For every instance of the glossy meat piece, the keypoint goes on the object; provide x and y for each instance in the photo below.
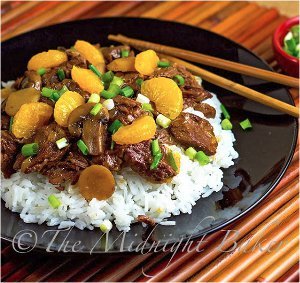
(206, 109)
(126, 110)
(111, 159)
(191, 130)
(164, 136)
(9, 150)
(139, 158)
(5, 120)
(114, 52)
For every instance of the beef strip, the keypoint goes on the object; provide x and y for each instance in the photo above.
(139, 158)
(9, 150)
(5, 120)
(206, 109)
(191, 130)
(111, 159)
(130, 79)
(114, 52)
(164, 136)
(126, 110)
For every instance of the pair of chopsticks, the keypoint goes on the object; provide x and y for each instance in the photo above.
(168, 52)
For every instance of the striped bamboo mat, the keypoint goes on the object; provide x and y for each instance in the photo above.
(246, 23)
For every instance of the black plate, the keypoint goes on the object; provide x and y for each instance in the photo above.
(265, 151)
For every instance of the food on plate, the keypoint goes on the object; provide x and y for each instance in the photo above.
(93, 135)
(291, 43)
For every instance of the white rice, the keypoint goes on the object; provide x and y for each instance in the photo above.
(28, 194)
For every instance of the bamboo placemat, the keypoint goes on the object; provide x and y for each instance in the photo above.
(246, 23)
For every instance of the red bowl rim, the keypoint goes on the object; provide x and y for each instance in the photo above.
(279, 34)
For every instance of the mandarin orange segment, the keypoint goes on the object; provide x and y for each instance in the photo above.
(65, 105)
(49, 59)
(30, 117)
(122, 65)
(87, 80)
(166, 95)
(141, 129)
(90, 53)
(146, 62)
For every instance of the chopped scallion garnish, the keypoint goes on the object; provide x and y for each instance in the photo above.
(61, 74)
(116, 125)
(30, 149)
(163, 64)
(246, 124)
(226, 124)
(163, 121)
(127, 91)
(202, 158)
(95, 70)
(147, 107)
(109, 104)
(55, 96)
(61, 143)
(142, 98)
(225, 112)
(11, 120)
(157, 158)
(139, 82)
(191, 152)
(63, 90)
(96, 109)
(54, 201)
(155, 147)
(179, 80)
(82, 146)
(117, 81)
(41, 71)
(125, 53)
(94, 98)
(171, 160)
(108, 77)
(47, 92)
(105, 226)
(112, 91)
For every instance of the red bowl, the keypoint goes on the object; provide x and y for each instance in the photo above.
(288, 63)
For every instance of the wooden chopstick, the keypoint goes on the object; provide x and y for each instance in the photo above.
(209, 61)
(237, 88)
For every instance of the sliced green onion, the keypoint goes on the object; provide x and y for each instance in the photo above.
(163, 121)
(147, 107)
(246, 124)
(61, 143)
(226, 124)
(117, 81)
(11, 120)
(105, 226)
(171, 160)
(47, 92)
(61, 74)
(163, 64)
(95, 70)
(289, 42)
(109, 104)
(112, 145)
(225, 112)
(191, 152)
(125, 53)
(63, 90)
(155, 147)
(94, 98)
(30, 149)
(41, 71)
(55, 96)
(108, 77)
(96, 109)
(179, 80)
(142, 98)
(82, 146)
(112, 91)
(116, 125)
(157, 158)
(54, 201)
(127, 91)
(202, 158)
(296, 32)
(139, 82)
